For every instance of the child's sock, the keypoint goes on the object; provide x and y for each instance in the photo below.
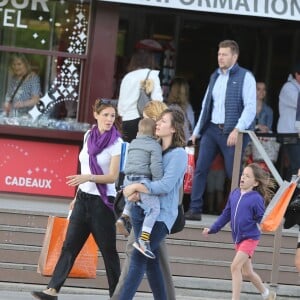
(145, 236)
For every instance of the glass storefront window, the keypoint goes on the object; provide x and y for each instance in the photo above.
(48, 38)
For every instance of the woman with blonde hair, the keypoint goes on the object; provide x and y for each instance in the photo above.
(179, 96)
(24, 89)
(153, 109)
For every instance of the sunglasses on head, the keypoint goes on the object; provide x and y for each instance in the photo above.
(106, 101)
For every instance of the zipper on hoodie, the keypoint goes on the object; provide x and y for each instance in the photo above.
(235, 216)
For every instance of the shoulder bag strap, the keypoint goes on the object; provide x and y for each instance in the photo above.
(148, 74)
(17, 88)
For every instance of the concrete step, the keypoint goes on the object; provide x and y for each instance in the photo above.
(192, 256)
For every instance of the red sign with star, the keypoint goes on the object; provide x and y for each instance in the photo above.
(37, 167)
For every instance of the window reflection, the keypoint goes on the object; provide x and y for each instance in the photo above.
(58, 26)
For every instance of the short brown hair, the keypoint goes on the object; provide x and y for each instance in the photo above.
(147, 126)
(233, 45)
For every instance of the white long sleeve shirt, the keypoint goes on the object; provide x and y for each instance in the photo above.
(288, 106)
(130, 90)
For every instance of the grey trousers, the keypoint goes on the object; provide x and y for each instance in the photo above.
(164, 263)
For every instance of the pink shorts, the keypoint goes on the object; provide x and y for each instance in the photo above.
(247, 246)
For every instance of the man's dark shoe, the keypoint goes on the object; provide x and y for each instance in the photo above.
(189, 215)
(43, 296)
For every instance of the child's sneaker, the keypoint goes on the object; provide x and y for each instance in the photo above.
(144, 248)
(123, 226)
(272, 296)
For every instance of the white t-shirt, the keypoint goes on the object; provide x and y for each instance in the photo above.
(130, 91)
(103, 160)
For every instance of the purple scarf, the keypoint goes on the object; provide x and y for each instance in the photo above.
(96, 143)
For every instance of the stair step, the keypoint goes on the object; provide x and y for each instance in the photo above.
(191, 254)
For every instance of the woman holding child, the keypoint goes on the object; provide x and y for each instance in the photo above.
(170, 131)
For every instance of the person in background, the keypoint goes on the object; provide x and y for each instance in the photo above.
(245, 209)
(292, 218)
(170, 130)
(215, 185)
(92, 208)
(288, 100)
(263, 124)
(144, 161)
(24, 88)
(179, 95)
(264, 113)
(229, 106)
(153, 110)
(140, 64)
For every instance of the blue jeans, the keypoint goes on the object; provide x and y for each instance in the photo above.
(150, 204)
(90, 215)
(212, 141)
(140, 264)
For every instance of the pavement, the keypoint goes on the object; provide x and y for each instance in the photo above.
(12, 291)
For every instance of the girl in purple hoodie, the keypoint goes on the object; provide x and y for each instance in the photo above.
(244, 209)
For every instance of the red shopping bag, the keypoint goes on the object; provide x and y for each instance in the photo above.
(276, 209)
(189, 174)
(86, 262)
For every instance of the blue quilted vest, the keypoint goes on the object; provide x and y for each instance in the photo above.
(233, 100)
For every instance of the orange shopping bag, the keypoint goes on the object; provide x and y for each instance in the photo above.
(86, 262)
(275, 211)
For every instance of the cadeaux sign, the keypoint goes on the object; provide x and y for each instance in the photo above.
(36, 167)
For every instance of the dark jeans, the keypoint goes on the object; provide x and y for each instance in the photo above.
(130, 129)
(140, 264)
(90, 215)
(212, 141)
(293, 153)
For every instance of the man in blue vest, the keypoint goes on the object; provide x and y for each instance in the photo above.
(229, 106)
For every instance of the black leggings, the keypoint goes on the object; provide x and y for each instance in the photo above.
(130, 129)
(90, 215)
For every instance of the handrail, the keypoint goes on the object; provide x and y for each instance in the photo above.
(265, 156)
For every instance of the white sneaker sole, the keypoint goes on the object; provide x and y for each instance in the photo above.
(137, 247)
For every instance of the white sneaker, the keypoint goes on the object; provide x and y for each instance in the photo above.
(272, 295)
(144, 248)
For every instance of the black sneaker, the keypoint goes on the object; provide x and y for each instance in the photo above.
(189, 215)
(123, 226)
(43, 296)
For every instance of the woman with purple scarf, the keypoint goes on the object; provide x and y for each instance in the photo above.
(93, 204)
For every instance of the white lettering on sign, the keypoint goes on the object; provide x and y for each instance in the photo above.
(29, 4)
(280, 9)
(12, 17)
(28, 182)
